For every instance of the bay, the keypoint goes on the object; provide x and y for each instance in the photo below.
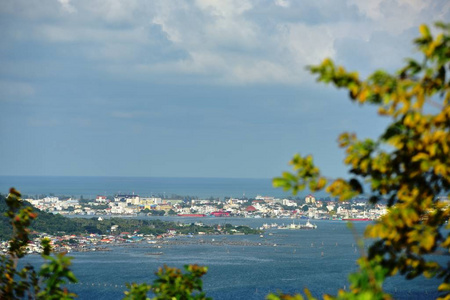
(240, 268)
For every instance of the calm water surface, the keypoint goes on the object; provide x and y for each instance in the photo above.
(287, 260)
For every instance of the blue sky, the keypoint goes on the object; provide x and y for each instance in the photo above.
(189, 88)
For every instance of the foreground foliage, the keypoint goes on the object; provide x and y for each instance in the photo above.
(172, 284)
(409, 165)
(47, 283)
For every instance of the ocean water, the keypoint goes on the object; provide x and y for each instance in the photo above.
(143, 186)
(240, 268)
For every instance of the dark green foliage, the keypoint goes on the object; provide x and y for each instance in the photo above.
(48, 282)
(171, 283)
(409, 165)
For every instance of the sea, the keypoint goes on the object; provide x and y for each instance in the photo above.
(239, 267)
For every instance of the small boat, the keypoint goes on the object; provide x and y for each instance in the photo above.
(265, 226)
(308, 225)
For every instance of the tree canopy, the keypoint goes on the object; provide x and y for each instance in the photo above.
(408, 165)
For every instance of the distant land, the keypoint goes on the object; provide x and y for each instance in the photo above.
(90, 186)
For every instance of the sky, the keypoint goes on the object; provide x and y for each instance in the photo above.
(206, 88)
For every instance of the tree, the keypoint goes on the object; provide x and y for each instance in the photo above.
(145, 211)
(155, 212)
(409, 165)
(26, 282)
(171, 283)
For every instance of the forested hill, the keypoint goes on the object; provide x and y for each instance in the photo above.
(45, 222)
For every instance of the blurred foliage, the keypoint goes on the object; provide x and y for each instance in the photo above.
(171, 283)
(408, 165)
(16, 283)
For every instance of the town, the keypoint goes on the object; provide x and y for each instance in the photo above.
(258, 207)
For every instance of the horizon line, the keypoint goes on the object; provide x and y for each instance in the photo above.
(128, 176)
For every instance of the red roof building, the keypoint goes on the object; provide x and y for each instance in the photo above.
(250, 208)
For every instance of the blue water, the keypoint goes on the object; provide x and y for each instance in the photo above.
(143, 186)
(242, 271)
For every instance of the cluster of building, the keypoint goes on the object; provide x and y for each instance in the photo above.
(260, 206)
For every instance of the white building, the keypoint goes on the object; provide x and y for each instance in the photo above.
(310, 199)
(101, 199)
(132, 199)
(288, 202)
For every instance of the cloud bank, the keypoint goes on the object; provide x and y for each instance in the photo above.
(220, 42)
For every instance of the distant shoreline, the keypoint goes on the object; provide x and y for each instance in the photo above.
(90, 186)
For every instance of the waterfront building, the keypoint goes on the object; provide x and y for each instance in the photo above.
(131, 199)
(310, 199)
(288, 202)
(101, 199)
(250, 209)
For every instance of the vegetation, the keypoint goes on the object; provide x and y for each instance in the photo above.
(27, 282)
(409, 165)
(172, 284)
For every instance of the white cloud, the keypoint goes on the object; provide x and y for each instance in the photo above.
(283, 3)
(396, 16)
(67, 6)
(225, 9)
(229, 42)
(309, 44)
